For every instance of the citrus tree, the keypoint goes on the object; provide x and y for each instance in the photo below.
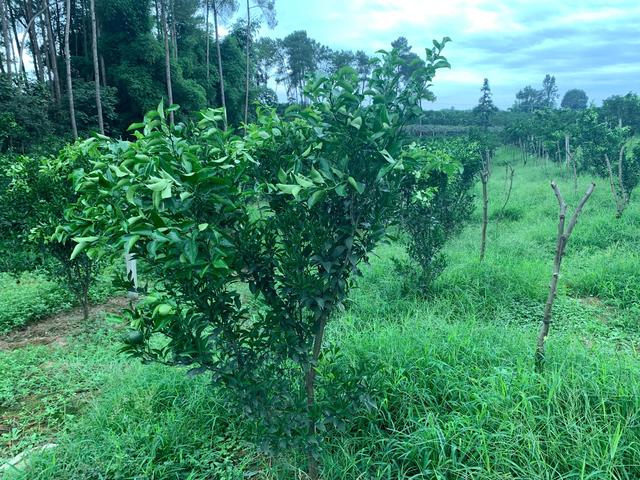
(436, 202)
(604, 152)
(37, 194)
(253, 242)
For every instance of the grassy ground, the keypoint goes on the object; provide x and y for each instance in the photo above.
(29, 297)
(451, 377)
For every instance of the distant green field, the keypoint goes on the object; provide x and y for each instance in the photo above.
(453, 393)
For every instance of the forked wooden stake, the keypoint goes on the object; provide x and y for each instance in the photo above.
(563, 238)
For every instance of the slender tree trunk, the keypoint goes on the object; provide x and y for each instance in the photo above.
(103, 71)
(21, 43)
(167, 56)
(7, 41)
(223, 99)
(96, 69)
(484, 178)
(309, 383)
(85, 28)
(85, 309)
(158, 21)
(47, 58)
(35, 47)
(206, 21)
(67, 61)
(53, 59)
(510, 172)
(174, 33)
(561, 243)
(620, 197)
(623, 190)
(57, 17)
(247, 53)
(20, 72)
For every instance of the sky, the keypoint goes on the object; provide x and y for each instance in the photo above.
(588, 44)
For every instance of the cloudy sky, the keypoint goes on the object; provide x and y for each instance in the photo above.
(588, 44)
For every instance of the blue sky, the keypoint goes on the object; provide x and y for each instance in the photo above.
(593, 45)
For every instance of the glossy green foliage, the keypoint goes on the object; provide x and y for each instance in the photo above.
(437, 201)
(597, 140)
(36, 194)
(290, 211)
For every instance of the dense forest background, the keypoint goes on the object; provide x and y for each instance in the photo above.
(139, 51)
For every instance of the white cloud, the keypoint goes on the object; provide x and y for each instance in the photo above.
(511, 42)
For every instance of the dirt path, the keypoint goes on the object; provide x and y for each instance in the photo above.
(55, 329)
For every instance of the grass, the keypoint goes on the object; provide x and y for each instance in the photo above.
(450, 380)
(29, 299)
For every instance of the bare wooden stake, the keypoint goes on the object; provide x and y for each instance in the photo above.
(563, 238)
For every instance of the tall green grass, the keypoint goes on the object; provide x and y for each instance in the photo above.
(450, 379)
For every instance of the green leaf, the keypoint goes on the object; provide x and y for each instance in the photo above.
(191, 250)
(316, 176)
(289, 189)
(78, 249)
(130, 243)
(356, 122)
(203, 226)
(303, 181)
(220, 263)
(357, 185)
(316, 197)
(161, 108)
(131, 191)
(387, 156)
(159, 185)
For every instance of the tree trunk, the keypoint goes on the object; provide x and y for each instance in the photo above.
(103, 71)
(53, 59)
(67, 61)
(46, 58)
(623, 190)
(309, 383)
(20, 72)
(167, 56)
(174, 33)
(510, 172)
(614, 192)
(561, 243)
(484, 177)
(158, 21)
(247, 53)
(35, 47)
(85, 309)
(59, 33)
(206, 21)
(96, 69)
(85, 43)
(7, 41)
(223, 99)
